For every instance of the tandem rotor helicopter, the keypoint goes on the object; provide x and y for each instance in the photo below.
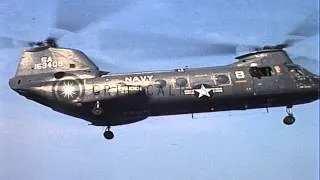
(67, 81)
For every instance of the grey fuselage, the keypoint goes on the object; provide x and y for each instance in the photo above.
(266, 78)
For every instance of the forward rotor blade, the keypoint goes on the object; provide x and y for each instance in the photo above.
(74, 16)
(290, 42)
(157, 46)
(307, 28)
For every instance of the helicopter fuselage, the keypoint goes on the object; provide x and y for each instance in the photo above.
(108, 99)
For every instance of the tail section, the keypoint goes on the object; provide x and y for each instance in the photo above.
(43, 70)
(44, 60)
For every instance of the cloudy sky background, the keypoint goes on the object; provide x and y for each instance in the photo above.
(38, 143)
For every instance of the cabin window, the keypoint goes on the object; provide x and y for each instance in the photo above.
(199, 79)
(222, 79)
(259, 72)
(160, 83)
(72, 65)
(181, 82)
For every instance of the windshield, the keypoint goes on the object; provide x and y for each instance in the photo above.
(299, 68)
(305, 71)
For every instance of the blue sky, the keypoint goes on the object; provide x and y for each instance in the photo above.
(38, 143)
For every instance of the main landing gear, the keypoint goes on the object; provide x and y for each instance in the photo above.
(289, 119)
(108, 134)
(97, 111)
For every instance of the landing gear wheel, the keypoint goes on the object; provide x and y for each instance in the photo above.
(108, 134)
(97, 110)
(289, 120)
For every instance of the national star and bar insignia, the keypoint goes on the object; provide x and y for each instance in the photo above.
(203, 91)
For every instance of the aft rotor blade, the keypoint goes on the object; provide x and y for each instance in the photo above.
(33, 24)
(6, 42)
(148, 45)
(9, 43)
(307, 28)
(290, 42)
(74, 16)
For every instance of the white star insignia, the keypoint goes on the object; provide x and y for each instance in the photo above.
(203, 91)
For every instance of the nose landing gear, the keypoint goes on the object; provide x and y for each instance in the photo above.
(289, 119)
(108, 134)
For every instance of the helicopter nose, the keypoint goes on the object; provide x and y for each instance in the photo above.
(316, 80)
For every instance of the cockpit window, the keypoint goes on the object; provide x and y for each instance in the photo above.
(305, 71)
(296, 71)
(297, 74)
(298, 68)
